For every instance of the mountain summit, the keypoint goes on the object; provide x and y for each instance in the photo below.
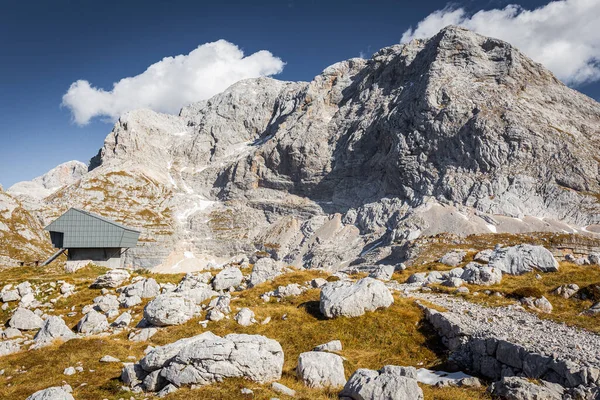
(459, 133)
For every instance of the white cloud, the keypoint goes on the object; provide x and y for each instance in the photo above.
(562, 35)
(171, 83)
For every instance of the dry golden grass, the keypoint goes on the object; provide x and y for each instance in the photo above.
(395, 335)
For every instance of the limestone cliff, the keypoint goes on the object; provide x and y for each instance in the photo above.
(459, 133)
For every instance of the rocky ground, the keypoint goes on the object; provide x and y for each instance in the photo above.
(264, 330)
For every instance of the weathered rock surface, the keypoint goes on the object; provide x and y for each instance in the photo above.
(431, 136)
(208, 358)
(112, 279)
(227, 278)
(169, 309)
(53, 393)
(264, 270)
(507, 341)
(515, 388)
(144, 288)
(25, 320)
(245, 317)
(334, 345)
(391, 382)
(319, 369)
(349, 299)
(92, 323)
(453, 258)
(517, 260)
(54, 328)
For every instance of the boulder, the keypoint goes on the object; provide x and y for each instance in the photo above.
(334, 345)
(517, 260)
(418, 277)
(130, 301)
(390, 383)
(169, 309)
(112, 279)
(282, 389)
(477, 274)
(264, 270)
(594, 258)
(245, 317)
(293, 289)
(516, 388)
(539, 304)
(106, 303)
(383, 272)
(54, 328)
(53, 393)
(593, 310)
(207, 358)
(344, 298)
(227, 278)
(453, 258)
(9, 347)
(25, 320)
(221, 303)
(144, 288)
(320, 369)
(10, 295)
(484, 255)
(122, 320)
(566, 291)
(199, 293)
(92, 323)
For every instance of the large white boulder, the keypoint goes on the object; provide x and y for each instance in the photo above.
(264, 270)
(112, 279)
(169, 309)
(92, 323)
(227, 278)
(53, 393)
(54, 328)
(349, 299)
(207, 358)
(478, 274)
(25, 320)
(144, 288)
(517, 260)
(320, 369)
(390, 383)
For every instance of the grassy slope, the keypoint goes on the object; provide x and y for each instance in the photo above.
(392, 336)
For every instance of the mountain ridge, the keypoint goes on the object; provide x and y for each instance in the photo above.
(459, 133)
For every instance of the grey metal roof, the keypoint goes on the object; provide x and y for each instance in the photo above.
(81, 229)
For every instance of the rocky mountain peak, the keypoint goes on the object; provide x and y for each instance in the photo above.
(458, 133)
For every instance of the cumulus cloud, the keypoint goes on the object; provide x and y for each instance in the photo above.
(171, 83)
(562, 35)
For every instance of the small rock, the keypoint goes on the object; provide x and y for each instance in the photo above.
(109, 359)
(334, 345)
(282, 389)
(245, 317)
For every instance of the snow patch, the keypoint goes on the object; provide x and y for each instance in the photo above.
(492, 228)
(430, 377)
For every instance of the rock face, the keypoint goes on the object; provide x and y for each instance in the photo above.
(350, 299)
(318, 369)
(523, 258)
(426, 137)
(169, 309)
(391, 382)
(207, 358)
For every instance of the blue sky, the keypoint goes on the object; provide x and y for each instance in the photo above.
(48, 45)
